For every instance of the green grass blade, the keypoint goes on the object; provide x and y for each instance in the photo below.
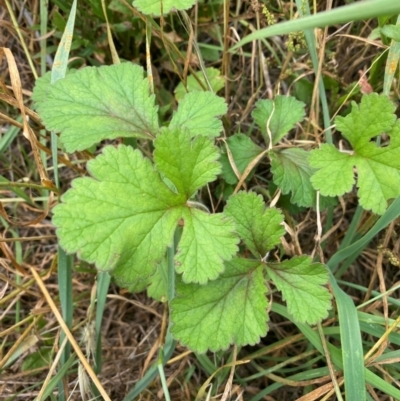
(9, 136)
(381, 385)
(65, 263)
(307, 375)
(350, 333)
(378, 331)
(58, 377)
(44, 12)
(391, 64)
(161, 372)
(352, 347)
(353, 12)
(61, 59)
(347, 263)
(58, 72)
(336, 356)
(349, 326)
(152, 372)
(388, 355)
(205, 362)
(376, 294)
(391, 213)
(351, 231)
(18, 191)
(103, 282)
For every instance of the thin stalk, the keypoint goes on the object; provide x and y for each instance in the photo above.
(66, 299)
(21, 38)
(310, 38)
(162, 374)
(18, 279)
(103, 283)
(44, 4)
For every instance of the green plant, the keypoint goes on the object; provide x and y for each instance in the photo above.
(264, 148)
(124, 217)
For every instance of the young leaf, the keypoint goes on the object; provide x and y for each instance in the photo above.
(378, 168)
(189, 164)
(214, 78)
(94, 104)
(259, 227)
(198, 112)
(302, 285)
(243, 151)
(154, 6)
(286, 112)
(292, 174)
(207, 240)
(231, 309)
(124, 217)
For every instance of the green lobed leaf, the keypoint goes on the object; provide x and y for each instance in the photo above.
(374, 116)
(302, 285)
(339, 177)
(154, 6)
(230, 309)
(378, 168)
(207, 241)
(198, 113)
(286, 113)
(214, 78)
(124, 217)
(94, 104)
(292, 174)
(260, 227)
(188, 163)
(243, 151)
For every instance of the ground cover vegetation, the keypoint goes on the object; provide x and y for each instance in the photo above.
(199, 200)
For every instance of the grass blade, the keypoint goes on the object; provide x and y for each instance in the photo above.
(353, 12)
(391, 213)
(350, 332)
(391, 64)
(312, 336)
(103, 282)
(65, 262)
(57, 378)
(352, 348)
